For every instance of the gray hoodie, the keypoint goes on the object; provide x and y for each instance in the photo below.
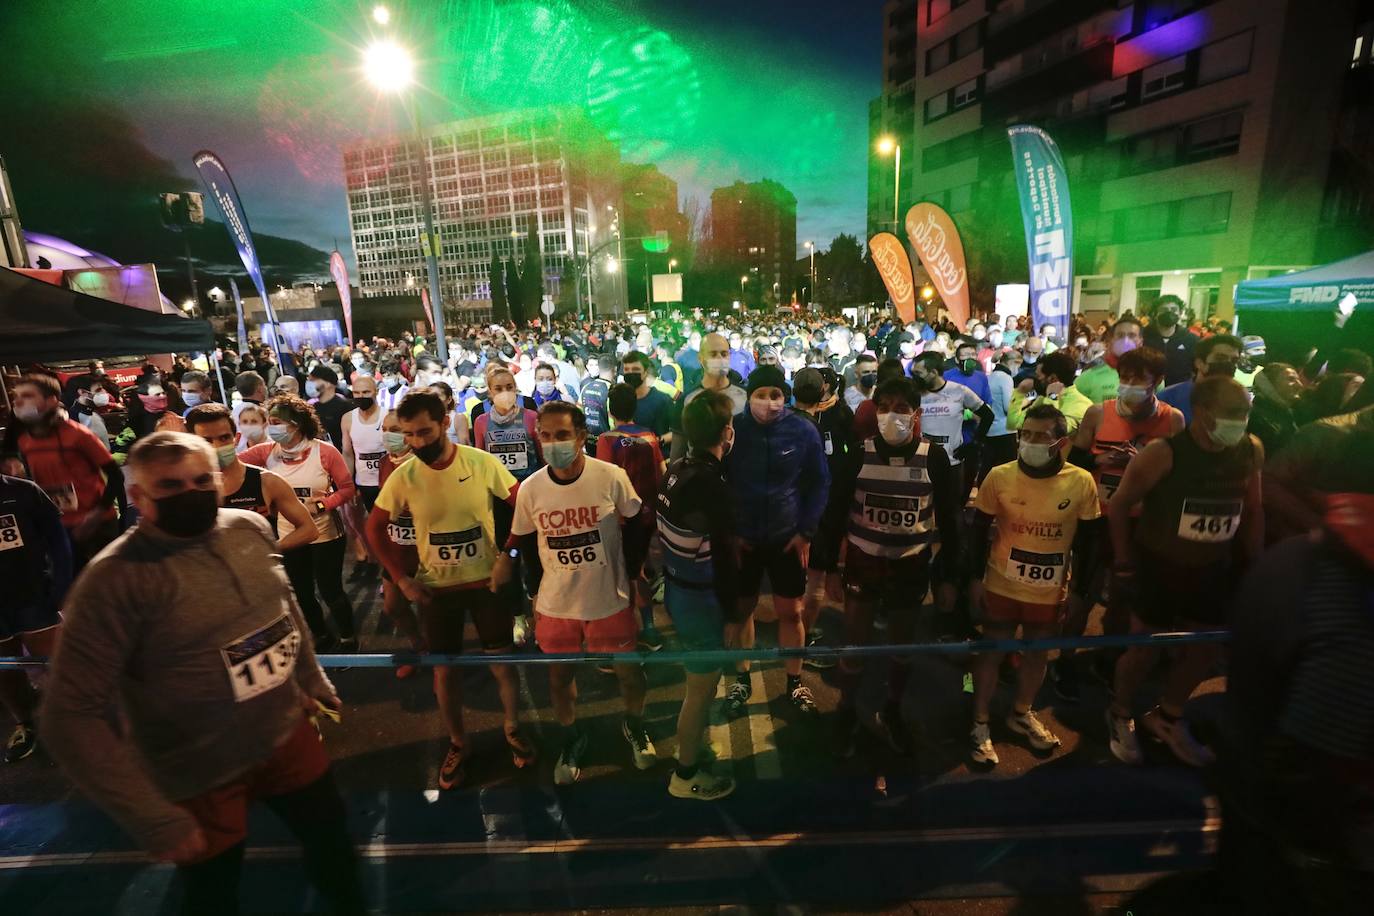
(200, 642)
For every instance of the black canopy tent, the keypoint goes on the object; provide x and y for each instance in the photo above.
(40, 322)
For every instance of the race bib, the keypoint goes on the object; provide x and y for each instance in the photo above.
(514, 456)
(1210, 521)
(893, 514)
(578, 551)
(303, 494)
(372, 461)
(937, 440)
(453, 550)
(263, 659)
(829, 445)
(401, 530)
(64, 496)
(1038, 570)
(10, 538)
(1108, 484)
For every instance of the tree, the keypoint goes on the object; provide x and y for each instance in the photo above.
(567, 290)
(844, 268)
(871, 286)
(514, 293)
(532, 272)
(496, 277)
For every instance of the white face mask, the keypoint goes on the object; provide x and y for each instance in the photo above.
(895, 427)
(100, 398)
(1130, 398)
(253, 432)
(717, 364)
(1037, 455)
(1227, 433)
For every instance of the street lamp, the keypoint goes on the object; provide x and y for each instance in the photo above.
(612, 265)
(672, 262)
(812, 247)
(886, 146)
(390, 68)
(381, 15)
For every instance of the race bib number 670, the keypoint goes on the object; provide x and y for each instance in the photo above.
(263, 659)
(455, 549)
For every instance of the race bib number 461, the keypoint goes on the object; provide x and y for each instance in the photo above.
(578, 551)
(1043, 570)
(1210, 521)
(263, 659)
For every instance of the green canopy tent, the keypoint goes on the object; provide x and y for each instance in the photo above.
(1297, 312)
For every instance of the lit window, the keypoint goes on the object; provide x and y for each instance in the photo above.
(1164, 77)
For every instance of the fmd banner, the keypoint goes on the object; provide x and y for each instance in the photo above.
(226, 196)
(1048, 219)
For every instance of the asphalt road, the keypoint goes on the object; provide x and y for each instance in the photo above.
(1071, 832)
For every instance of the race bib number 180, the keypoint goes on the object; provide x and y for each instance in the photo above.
(263, 659)
(1209, 521)
(1043, 570)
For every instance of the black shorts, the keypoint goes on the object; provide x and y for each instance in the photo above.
(636, 533)
(783, 567)
(1168, 596)
(896, 583)
(443, 617)
(825, 546)
(368, 496)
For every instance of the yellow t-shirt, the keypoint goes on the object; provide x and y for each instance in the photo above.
(1036, 521)
(454, 530)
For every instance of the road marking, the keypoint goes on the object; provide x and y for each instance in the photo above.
(1208, 826)
(764, 750)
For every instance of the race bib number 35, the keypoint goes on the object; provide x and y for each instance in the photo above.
(453, 550)
(1039, 570)
(578, 551)
(263, 659)
(1209, 521)
(10, 538)
(514, 456)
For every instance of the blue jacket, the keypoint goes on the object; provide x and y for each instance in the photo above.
(779, 478)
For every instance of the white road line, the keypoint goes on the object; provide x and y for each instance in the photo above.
(717, 726)
(767, 761)
(1205, 827)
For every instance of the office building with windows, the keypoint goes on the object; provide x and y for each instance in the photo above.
(1197, 134)
(497, 184)
(754, 230)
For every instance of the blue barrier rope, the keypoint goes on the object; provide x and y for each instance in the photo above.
(730, 656)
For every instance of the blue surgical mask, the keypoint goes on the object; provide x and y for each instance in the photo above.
(281, 433)
(311, 389)
(544, 387)
(560, 455)
(395, 443)
(190, 398)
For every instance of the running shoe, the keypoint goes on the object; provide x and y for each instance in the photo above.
(571, 760)
(803, 700)
(818, 662)
(642, 749)
(1121, 738)
(737, 697)
(1065, 679)
(846, 731)
(980, 741)
(21, 743)
(968, 682)
(348, 646)
(1179, 739)
(521, 631)
(891, 730)
(453, 772)
(704, 786)
(522, 750)
(656, 589)
(650, 640)
(1028, 723)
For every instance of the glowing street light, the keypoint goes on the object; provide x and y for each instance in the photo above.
(888, 146)
(811, 246)
(612, 265)
(381, 15)
(743, 280)
(672, 262)
(927, 293)
(388, 66)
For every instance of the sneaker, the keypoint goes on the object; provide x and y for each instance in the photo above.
(1028, 723)
(1065, 679)
(1121, 738)
(703, 785)
(650, 640)
(817, 662)
(846, 731)
(1179, 739)
(968, 682)
(641, 747)
(522, 750)
(981, 749)
(348, 646)
(737, 697)
(453, 772)
(521, 631)
(571, 759)
(803, 700)
(21, 743)
(891, 730)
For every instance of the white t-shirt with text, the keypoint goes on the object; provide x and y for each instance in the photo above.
(942, 415)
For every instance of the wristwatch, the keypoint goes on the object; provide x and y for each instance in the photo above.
(513, 553)
(320, 507)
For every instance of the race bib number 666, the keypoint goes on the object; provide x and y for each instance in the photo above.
(578, 551)
(263, 659)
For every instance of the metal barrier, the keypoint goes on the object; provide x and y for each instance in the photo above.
(729, 656)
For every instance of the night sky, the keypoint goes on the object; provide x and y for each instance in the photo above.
(108, 100)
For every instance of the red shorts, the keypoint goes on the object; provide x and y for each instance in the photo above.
(560, 635)
(222, 812)
(1001, 609)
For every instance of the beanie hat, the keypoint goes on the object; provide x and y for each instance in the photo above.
(768, 377)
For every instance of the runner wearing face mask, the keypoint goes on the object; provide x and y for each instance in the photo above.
(1168, 336)
(814, 397)
(1098, 383)
(778, 473)
(569, 515)
(866, 380)
(943, 405)
(400, 531)
(87, 407)
(1218, 355)
(330, 406)
(715, 362)
(252, 427)
(316, 471)
(1201, 517)
(449, 491)
(593, 397)
(250, 488)
(363, 453)
(393, 387)
(1041, 505)
(901, 509)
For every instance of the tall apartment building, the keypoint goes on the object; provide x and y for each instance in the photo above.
(491, 180)
(1198, 136)
(651, 207)
(754, 229)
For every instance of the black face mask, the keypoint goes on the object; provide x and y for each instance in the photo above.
(187, 514)
(634, 379)
(365, 403)
(868, 379)
(430, 452)
(808, 394)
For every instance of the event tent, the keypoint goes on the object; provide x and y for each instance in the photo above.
(1297, 311)
(40, 322)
